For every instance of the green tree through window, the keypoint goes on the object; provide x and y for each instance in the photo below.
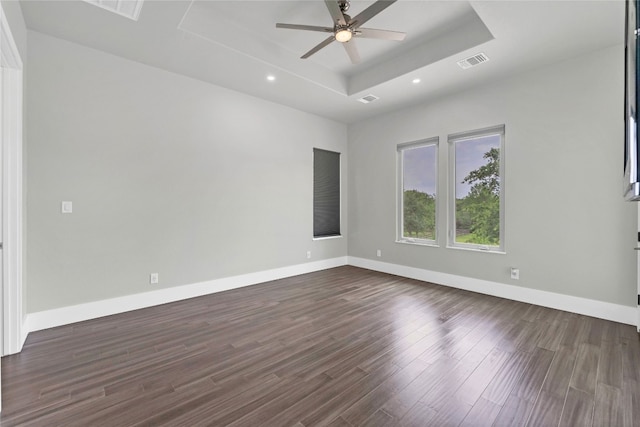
(419, 215)
(479, 210)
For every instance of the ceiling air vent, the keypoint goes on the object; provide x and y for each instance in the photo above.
(472, 61)
(367, 99)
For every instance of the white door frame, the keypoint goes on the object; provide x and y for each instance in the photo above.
(13, 333)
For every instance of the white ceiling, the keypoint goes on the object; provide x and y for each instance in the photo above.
(235, 44)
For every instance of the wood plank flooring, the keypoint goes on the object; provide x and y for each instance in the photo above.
(341, 347)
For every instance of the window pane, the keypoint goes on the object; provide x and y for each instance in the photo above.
(419, 192)
(477, 198)
(326, 193)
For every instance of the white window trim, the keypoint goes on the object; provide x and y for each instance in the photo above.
(451, 193)
(435, 141)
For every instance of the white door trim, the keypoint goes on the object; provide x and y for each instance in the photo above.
(12, 231)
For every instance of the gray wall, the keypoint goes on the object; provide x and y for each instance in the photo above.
(166, 174)
(567, 226)
(197, 182)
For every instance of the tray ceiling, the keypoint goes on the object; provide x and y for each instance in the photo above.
(235, 44)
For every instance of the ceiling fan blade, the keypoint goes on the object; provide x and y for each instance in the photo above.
(318, 47)
(336, 13)
(369, 12)
(305, 27)
(370, 33)
(352, 51)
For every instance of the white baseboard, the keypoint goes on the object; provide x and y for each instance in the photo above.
(602, 310)
(78, 313)
(24, 332)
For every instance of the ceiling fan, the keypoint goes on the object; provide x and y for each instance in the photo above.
(345, 28)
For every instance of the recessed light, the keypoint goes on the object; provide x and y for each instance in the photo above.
(415, 81)
(271, 78)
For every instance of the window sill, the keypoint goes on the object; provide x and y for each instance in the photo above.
(432, 244)
(484, 251)
(328, 237)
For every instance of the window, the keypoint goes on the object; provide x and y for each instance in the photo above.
(477, 186)
(417, 191)
(326, 193)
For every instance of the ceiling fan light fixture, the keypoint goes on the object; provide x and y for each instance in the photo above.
(343, 35)
(346, 28)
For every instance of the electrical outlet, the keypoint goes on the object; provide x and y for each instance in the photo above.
(66, 207)
(308, 254)
(379, 252)
(153, 278)
(515, 273)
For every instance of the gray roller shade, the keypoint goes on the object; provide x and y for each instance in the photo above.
(326, 193)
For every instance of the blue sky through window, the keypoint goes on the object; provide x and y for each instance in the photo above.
(469, 157)
(419, 164)
(419, 168)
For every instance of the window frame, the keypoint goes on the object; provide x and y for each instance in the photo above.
(400, 148)
(339, 188)
(451, 226)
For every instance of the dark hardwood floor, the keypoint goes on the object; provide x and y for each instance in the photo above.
(341, 347)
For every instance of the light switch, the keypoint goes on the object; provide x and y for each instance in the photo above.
(67, 207)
